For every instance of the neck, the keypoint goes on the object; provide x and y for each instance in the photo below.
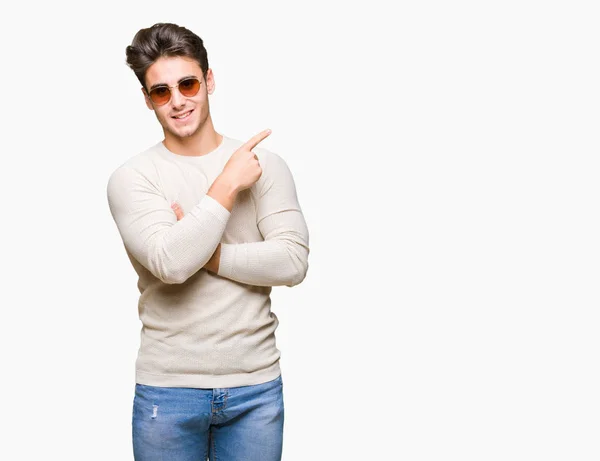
(203, 141)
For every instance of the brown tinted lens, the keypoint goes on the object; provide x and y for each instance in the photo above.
(160, 95)
(189, 87)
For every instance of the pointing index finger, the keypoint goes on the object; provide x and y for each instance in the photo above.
(251, 144)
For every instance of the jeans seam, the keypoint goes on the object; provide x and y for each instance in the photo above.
(214, 447)
(205, 457)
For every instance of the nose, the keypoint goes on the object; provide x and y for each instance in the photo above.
(177, 99)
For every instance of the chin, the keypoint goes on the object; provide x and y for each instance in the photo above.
(184, 131)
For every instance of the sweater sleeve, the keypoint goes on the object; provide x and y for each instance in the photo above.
(282, 258)
(171, 250)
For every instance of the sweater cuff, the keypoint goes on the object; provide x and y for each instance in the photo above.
(215, 208)
(226, 260)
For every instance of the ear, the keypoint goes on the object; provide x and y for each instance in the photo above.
(147, 99)
(210, 81)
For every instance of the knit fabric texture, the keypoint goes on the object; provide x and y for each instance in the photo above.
(201, 329)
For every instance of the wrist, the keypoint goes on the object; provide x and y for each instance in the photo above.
(224, 191)
(227, 184)
(213, 263)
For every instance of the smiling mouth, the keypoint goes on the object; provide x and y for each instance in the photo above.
(183, 116)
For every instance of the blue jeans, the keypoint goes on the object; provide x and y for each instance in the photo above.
(223, 424)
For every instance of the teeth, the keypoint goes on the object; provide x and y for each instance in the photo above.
(184, 115)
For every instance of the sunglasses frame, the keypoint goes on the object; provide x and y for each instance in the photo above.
(171, 91)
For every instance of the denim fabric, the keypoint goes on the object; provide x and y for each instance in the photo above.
(223, 424)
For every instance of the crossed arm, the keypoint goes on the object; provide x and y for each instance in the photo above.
(173, 248)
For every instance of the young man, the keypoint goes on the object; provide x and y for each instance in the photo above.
(209, 224)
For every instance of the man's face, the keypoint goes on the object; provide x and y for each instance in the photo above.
(169, 71)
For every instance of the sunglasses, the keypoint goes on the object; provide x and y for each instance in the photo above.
(160, 95)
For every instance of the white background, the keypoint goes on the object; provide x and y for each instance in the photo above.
(446, 159)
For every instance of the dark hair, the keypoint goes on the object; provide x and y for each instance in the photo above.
(164, 39)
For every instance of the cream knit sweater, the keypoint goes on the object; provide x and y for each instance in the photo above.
(201, 329)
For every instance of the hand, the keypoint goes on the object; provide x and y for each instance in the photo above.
(213, 263)
(242, 169)
(178, 211)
